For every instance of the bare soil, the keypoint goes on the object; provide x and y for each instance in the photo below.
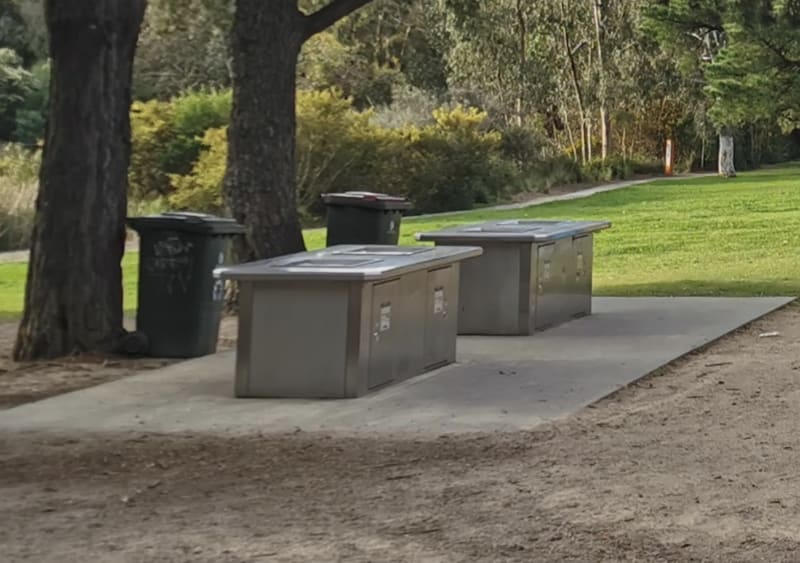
(698, 462)
(33, 381)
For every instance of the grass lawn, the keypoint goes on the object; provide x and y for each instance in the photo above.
(703, 236)
(12, 286)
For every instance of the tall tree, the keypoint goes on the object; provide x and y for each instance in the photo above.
(13, 29)
(73, 298)
(259, 182)
(499, 55)
(697, 29)
(569, 32)
(757, 77)
(178, 52)
(400, 36)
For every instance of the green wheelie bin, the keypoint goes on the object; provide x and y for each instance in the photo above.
(364, 218)
(179, 302)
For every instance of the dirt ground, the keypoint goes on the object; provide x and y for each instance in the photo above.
(696, 463)
(33, 381)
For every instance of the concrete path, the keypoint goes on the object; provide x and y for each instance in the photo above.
(578, 194)
(500, 383)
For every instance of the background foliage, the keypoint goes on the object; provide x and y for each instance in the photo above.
(453, 103)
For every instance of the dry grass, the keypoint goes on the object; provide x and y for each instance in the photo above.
(19, 170)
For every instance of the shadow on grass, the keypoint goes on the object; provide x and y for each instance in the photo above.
(703, 288)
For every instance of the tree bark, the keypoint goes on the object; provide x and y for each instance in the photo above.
(605, 122)
(589, 136)
(522, 61)
(260, 185)
(605, 132)
(571, 137)
(259, 182)
(73, 297)
(578, 96)
(703, 153)
(573, 68)
(726, 162)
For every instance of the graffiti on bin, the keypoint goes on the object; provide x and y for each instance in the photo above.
(172, 261)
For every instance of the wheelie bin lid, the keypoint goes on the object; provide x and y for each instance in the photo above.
(186, 221)
(371, 200)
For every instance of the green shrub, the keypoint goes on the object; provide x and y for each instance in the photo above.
(31, 116)
(201, 189)
(152, 130)
(410, 106)
(140, 207)
(540, 176)
(597, 171)
(453, 163)
(167, 138)
(338, 149)
(525, 146)
(194, 114)
(646, 166)
(198, 111)
(456, 163)
(610, 169)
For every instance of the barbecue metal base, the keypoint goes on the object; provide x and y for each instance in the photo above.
(517, 288)
(337, 339)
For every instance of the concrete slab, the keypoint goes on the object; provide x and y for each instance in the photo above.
(500, 383)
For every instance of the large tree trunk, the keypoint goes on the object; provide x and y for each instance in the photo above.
(726, 166)
(260, 184)
(73, 298)
(260, 178)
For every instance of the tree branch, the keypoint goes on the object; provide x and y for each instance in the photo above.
(787, 62)
(330, 14)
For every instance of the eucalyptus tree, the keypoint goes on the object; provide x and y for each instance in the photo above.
(73, 296)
